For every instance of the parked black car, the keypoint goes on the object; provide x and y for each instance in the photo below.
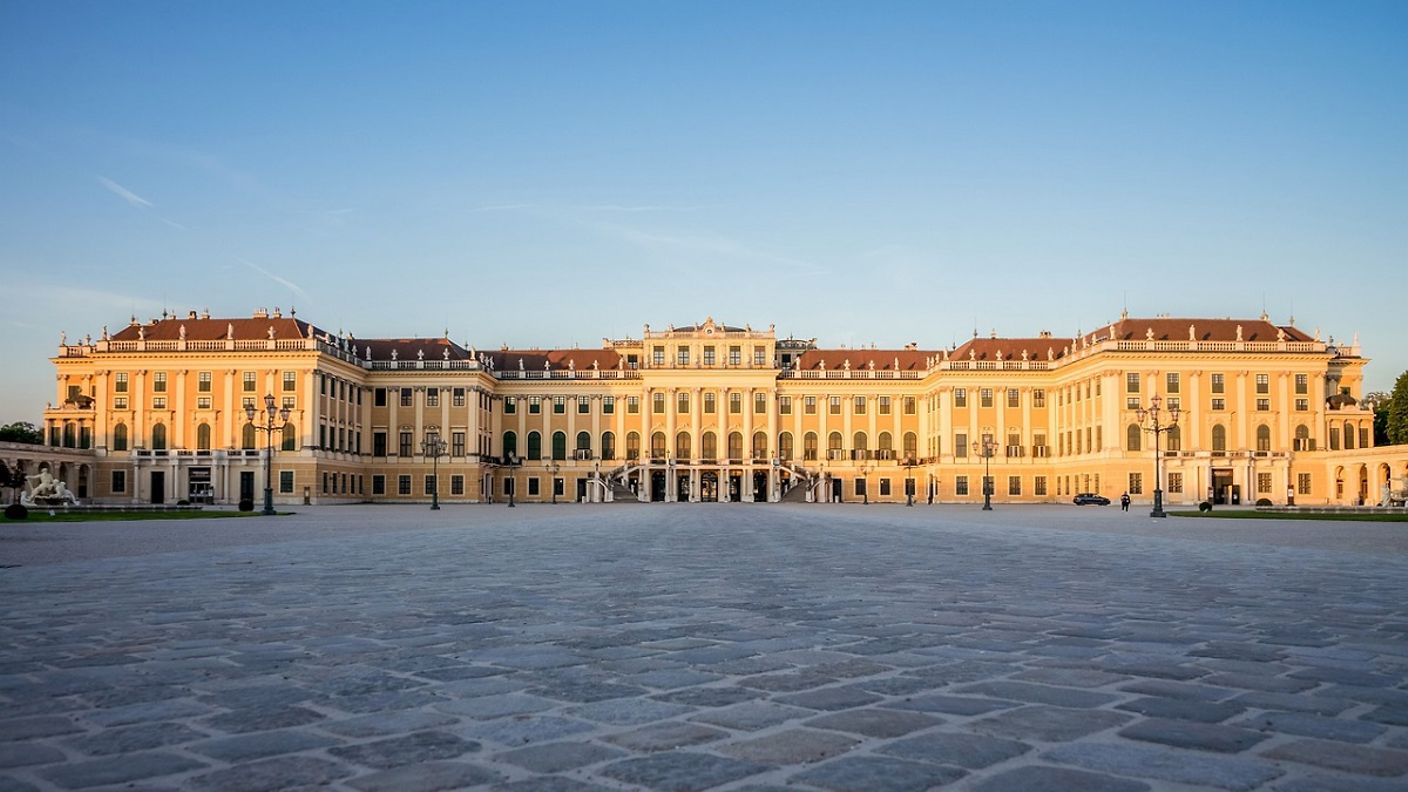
(1086, 498)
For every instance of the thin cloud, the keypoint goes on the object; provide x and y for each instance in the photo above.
(631, 208)
(123, 193)
(500, 207)
(285, 282)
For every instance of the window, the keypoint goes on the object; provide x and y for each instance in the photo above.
(534, 487)
(884, 486)
(159, 437)
(403, 485)
(378, 444)
(859, 486)
(289, 402)
(682, 402)
(809, 446)
(1219, 404)
(657, 403)
(682, 446)
(1219, 437)
(1175, 483)
(1039, 399)
(457, 397)
(911, 445)
(1131, 382)
(1263, 383)
(1263, 405)
(158, 402)
(248, 381)
(286, 481)
(120, 402)
(510, 444)
(120, 386)
(860, 405)
(379, 397)
(960, 485)
(1014, 397)
(882, 405)
(909, 405)
(960, 445)
(633, 445)
(809, 406)
(119, 481)
(1171, 382)
(784, 405)
(1131, 403)
(735, 403)
(159, 382)
(834, 407)
(432, 397)
(510, 405)
(633, 405)
(682, 356)
(1014, 485)
(405, 445)
(1302, 383)
(378, 484)
(406, 395)
(1302, 405)
(457, 485)
(1136, 483)
(708, 356)
(1132, 436)
(1219, 383)
(290, 381)
(457, 444)
(290, 438)
(1263, 483)
(784, 445)
(429, 484)
(608, 445)
(584, 405)
(1039, 486)
(657, 356)
(535, 446)
(759, 355)
(1175, 438)
(559, 405)
(559, 445)
(1302, 483)
(608, 405)
(1174, 403)
(985, 397)
(735, 356)
(1363, 437)
(760, 403)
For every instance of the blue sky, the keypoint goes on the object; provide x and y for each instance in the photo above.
(551, 173)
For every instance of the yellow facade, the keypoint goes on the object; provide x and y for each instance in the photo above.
(716, 412)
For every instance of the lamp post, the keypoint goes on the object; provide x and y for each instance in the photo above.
(553, 468)
(909, 463)
(1151, 421)
(434, 448)
(865, 468)
(270, 414)
(986, 449)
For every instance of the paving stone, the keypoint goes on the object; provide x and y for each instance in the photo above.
(1184, 767)
(1038, 694)
(952, 705)
(972, 751)
(872, 722)
(1070, 677)
(551, 784)
(244, 747)
(27, 753)
(487, 707)
(523, 729)
(1320, 705)
(1049, 724)
(425, 777)
(751, 715)
(877, 774)
(681, 771)
(1339, 756)
(118, 769)
(560, 756)
(1392, 714)
(1167, 688)
(407, 749)
(1041, 778)
(837, 698)
(8, 784)
(262, 718)
(1322, 783)
(149, 711)
(386, 723)
(628, 712)
(893, 686)
(666, 736)
(674, 678)
(793, 746)
(268, 775)
(1192, 734)
(134, 738)
(709, 696)
(1182, 709)
(1308, 725)
(1250, 681)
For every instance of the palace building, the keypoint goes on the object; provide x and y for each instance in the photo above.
(715, 412)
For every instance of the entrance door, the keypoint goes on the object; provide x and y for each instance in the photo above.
(1221, 485)
(836, 491)
(657, 487)
(709, 487)
(581, 490)
(682, 487)
(760, 487)
(158, 486)
(735, 488)
(247, 485)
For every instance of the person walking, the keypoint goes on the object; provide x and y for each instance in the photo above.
(1124, 502)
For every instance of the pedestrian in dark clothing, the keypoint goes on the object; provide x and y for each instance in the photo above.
(1124, 502)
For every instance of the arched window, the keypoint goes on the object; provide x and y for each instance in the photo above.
(657, 445)
(760, 445)
(1302, 438)
(247, 438)
(290, 437)
(633, 445)
(203, 437)
(1175, 438)
(559, 445)
(1131, 437)
(709, 446)
(833, 445)
(860, 442)
(682, 446)
(1219, 437)
(735, 445)
(510, 446)
(119, 437)
(535, 445)
(911, 445)
(784, 445)
(1348, 435)
(584, 441)
(70, 435)
(608, 445)
(1263, 438)
(884, 443)
(159, 436)
(809, 446)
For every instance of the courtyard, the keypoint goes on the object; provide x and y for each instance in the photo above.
(711, 646)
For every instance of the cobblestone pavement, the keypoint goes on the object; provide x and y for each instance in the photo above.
(689, 647)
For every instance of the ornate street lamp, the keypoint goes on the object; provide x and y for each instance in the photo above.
(553, 468)
(1151, 421)
(271, 413)
(986, 449)
(434, 448)
(909, 483)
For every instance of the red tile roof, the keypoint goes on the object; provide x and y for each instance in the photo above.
(246, 329)
(533, 359)
(1010, 349)
(1172, 329)
(884, 359)
(409, 348)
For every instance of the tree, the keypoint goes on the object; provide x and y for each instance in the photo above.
(22, 432)
(1396, 421)
(1378, 402)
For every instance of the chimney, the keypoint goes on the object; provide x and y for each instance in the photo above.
(1045, 334)
(261, 313)
(191, 315)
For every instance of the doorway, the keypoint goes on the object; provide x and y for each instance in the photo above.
(158, 486)
(837, 491)
(760, 487)
(709, 486)
(247, 485)
(581, 490)
(1221, 486)
(657, 487)
(682, 487)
